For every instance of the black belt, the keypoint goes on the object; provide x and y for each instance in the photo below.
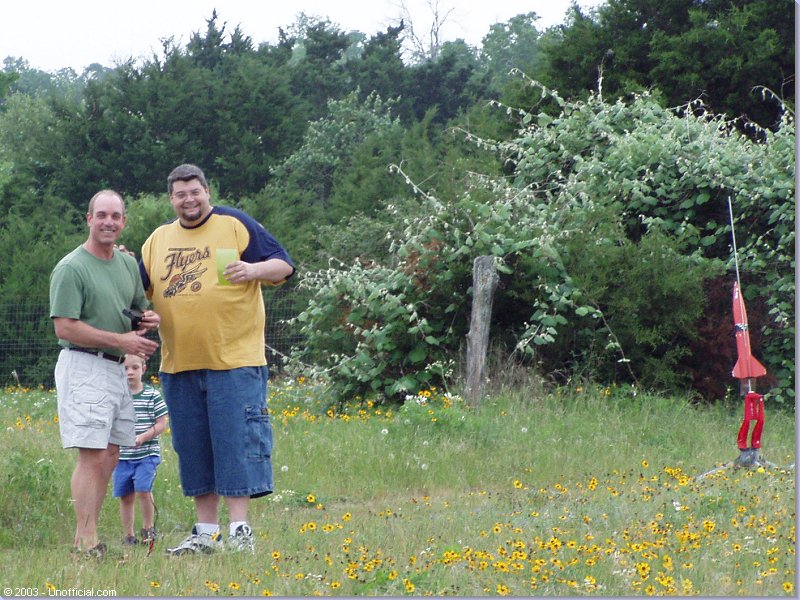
(111, 357)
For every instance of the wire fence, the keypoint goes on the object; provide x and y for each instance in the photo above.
(29, 348)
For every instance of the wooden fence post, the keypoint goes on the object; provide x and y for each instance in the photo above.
(484, 283)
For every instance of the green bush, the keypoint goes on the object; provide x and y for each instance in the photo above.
(614, 220)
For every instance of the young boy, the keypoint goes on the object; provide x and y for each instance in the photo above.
(136, 471)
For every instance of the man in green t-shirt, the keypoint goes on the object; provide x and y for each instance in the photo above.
(89, 290)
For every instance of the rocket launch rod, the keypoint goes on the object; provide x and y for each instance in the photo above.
(733, 237)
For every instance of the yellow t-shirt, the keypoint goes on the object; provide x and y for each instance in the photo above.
(205, 324)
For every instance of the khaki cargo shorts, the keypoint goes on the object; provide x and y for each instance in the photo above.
(95, 407)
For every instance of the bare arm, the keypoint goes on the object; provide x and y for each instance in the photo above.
(273, 270)
(156, 430)
(82, 334)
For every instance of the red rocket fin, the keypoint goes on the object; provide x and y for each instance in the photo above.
(748, 368)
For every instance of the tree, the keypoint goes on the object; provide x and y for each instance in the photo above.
(207, 51)
(100, 144)
(717, 50)
(424, 47)
(63, 84)
(342, 158)
(6, 79)
(260, 123)
(31, 146)
(381, 69)
(143, 215)
(33, 241)
(235, 115)
(511, 45)
(318, 68)
(572, 54)
(444, 84)
(733, 53)
(34, 234)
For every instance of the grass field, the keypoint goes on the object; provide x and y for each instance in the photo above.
(589, 492)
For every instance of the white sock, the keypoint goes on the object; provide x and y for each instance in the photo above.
(235, 525)
(209, 528)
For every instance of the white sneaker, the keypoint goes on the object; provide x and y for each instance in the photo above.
(242, 540)
(198, 543)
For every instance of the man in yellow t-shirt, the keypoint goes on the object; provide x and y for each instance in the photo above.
(203, 273)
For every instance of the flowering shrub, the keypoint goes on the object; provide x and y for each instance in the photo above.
(604, 238)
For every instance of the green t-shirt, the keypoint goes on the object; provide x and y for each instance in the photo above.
(95, 291)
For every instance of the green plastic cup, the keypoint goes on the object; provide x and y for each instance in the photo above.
(225, 256)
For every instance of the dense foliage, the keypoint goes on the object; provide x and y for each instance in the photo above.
(714, 50)
(606, 235)
(604, 206)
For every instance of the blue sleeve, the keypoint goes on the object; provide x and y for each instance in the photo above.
(262, 245)
(143, 274)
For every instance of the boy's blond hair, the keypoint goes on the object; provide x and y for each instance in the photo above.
(144, 360)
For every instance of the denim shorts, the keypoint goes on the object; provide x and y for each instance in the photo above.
(136, 475)
(221, 430)
(95, 407)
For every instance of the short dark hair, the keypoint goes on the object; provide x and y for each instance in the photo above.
(103, 193)
(186, 172)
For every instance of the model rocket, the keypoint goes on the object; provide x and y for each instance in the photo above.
(746, 369)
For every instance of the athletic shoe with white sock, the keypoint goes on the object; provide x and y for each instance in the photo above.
(242, 539)
(198, 543)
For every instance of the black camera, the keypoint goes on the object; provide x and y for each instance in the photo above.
(135, 316)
